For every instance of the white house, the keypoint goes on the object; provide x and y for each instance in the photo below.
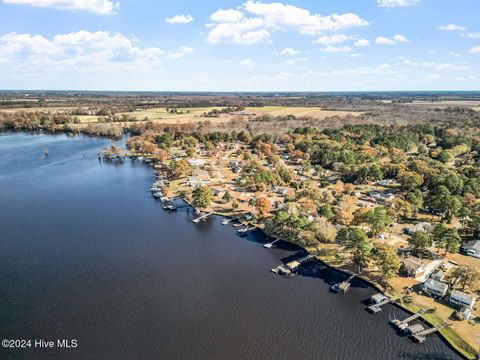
(435, 288)
(461, 299)
(420, 269)
(196, 162)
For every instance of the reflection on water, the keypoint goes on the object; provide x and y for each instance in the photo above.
(87, 254)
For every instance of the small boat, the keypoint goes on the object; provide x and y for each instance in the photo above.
(157, 195)
(165, 199)
(225, 221)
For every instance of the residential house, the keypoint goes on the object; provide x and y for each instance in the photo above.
(472, 248)
(420, 269)
(201, 179)
(386, 182)
(435, 288)
(438, 275)
(197, 162)
(280, 190)
(460, 298)
(381, 197)
(423, 226)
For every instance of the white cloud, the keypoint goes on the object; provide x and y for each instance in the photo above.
(334, 49)
(228, 16)
(247, 63)
(179, 53)
(245, 31)
(474, 50)
(453, 53)
(397, 3)
(291, 62)
(102, 7)
(400, 38)
(438, 66)
(444, 66)
(362, 42)
(83, 48)
(474, 35)
(286, 51)
(284, 16)
(452, 27)
(332, 40)
(232, 26)
(382, 40)
(180, 19)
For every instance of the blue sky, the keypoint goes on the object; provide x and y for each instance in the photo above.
(315, 45)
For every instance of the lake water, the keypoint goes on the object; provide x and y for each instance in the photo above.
(86, 253)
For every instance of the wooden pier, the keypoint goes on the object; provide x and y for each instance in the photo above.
(244, 231)
(197, 220)
(420, 336)
(290, 267)
(375, 308)
(269, 245)
(403, 324)
(342, 287)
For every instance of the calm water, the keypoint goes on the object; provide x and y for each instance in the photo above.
(87, 254)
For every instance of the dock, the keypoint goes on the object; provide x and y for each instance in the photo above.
(169, 206)
(282, 270)
(342, 287)
(270, 244)
(244, 231)
(420, 337)
(290, 267)
(197, 220)
(375, 308)
(403, 324)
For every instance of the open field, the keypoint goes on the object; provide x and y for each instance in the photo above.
(162, 113)
(188, 115)
(299, 111)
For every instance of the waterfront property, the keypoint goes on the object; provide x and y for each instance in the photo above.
(459, 298)
(419, 269)
(435, 288)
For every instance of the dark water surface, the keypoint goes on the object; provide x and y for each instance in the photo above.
(87, 254)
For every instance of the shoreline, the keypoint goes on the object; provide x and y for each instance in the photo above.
(367, 281)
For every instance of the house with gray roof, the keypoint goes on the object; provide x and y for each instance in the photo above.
(435, 288)
(459, 298)
(472, 248)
